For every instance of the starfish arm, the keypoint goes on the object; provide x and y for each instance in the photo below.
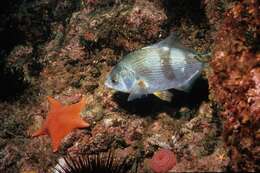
(55, 143)
(82, 102)
(54, 104)
(82, 124)
(74, 110)
(57, 136)
(40, 132)
(58, 130)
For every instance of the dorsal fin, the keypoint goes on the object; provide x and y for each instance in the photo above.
(171, 41)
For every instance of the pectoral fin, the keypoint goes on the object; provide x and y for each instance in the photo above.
(139, 89)
(133, 96)
(164, 95)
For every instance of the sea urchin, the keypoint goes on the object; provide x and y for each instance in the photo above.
(98, 163)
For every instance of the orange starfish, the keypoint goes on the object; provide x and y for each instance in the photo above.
(61, 120)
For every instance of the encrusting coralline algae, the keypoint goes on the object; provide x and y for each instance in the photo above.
(65, 49)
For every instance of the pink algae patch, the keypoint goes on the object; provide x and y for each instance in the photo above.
(162, 161)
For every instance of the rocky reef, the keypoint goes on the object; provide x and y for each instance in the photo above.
(234, 82)
(66, 48)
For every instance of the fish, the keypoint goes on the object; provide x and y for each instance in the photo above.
(155, 69)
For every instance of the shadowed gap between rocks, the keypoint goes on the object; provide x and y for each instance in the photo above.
(191, 10)
(18, 17)
(150, 105)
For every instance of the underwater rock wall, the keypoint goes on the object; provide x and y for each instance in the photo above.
(234, 82)
(65, 48)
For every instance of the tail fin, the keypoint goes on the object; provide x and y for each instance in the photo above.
(204, 57)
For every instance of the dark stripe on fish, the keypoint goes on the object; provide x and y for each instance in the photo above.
(166, 64)
(143, 71)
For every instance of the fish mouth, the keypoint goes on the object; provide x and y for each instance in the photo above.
(107, 84)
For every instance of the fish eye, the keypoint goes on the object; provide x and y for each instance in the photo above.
(114, 80)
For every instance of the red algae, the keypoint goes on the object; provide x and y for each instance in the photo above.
(234, 84)
(162, 161)
(68, 47)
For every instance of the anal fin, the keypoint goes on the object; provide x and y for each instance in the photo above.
(164, 95)
(133, 96)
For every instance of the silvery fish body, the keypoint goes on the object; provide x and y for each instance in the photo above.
(155, 69)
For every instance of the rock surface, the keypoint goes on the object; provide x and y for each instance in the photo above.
(66, 48)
